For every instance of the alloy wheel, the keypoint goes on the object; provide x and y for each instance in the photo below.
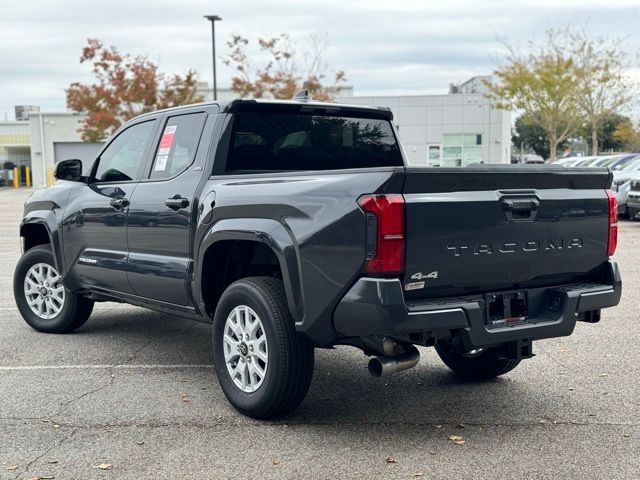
(43, 291)
(246, 352)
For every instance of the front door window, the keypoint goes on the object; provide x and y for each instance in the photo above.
(121, 160)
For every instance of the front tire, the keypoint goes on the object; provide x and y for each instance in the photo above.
(44, 303)
(263, 365)
(477, 365)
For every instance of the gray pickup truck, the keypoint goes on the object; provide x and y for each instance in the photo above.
(298, 225)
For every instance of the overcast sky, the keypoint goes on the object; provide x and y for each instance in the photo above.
(385, 46)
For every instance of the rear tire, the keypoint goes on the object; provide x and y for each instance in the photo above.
(269, 372)
(475, 366)
(56, 310)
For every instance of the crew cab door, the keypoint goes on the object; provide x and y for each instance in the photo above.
(95, 234)
(163, 208)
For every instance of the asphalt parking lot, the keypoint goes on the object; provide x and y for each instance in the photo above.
(134, 392)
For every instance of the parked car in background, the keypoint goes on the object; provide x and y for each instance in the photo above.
(576, 161)
(633, 197)
(623, 160)
(619, 161)
(606, 160)
(532, 158)
(621, 183)
(591, 161)
(566, 161)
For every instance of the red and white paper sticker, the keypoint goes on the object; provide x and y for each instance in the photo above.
(165, 147)
(167, 139)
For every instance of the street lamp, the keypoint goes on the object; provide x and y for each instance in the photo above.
(213, 19)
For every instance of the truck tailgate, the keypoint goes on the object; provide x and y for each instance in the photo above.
(495, 228)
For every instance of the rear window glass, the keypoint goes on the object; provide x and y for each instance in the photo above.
(178, 145)
(282, 142)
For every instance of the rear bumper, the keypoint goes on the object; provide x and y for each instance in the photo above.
(375, 306)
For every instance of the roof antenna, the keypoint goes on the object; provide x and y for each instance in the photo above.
(303, 96)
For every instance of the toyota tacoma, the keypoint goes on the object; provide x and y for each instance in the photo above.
(296, 225)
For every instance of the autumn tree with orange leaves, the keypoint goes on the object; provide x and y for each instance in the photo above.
(285, 70)
(125, 86)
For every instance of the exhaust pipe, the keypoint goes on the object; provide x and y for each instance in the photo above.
(386, 365)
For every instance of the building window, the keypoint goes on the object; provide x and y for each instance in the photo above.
(461, 149)
(434, 155)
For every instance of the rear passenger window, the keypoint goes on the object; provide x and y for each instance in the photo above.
(178, 144)
(283, 142)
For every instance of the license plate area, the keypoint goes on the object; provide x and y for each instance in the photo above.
(505, 308)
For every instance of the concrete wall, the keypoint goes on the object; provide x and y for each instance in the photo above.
(57, 127)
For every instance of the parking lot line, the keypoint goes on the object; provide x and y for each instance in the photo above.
(105, 367)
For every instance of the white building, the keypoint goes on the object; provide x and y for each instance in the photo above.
(14, 143)
(450, 130)
(55, 137)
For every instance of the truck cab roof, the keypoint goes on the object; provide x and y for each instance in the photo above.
(284, 106)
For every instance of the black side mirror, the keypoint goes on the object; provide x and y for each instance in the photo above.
(70, 170)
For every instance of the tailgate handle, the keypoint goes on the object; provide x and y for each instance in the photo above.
(520, 209)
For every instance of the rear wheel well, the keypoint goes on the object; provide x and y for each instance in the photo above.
(34, 234)
(229, 260)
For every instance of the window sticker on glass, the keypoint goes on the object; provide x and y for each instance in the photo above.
(161, 163)
(167, 140)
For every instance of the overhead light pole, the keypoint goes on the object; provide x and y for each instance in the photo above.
(213, 19)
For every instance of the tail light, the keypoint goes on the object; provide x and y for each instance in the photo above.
(385, 233)
(613, 223)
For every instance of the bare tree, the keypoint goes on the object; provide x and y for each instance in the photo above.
(282, 76)
(603, 86)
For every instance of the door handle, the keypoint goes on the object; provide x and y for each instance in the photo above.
(119, 203)
(177, 202)
(517, 205)
(520, 209)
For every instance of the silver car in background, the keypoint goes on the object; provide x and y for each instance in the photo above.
(633, 197)
(622, 182)
(624, 166)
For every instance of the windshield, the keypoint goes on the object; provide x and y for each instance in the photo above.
(608, 162)
(585, 162)
(631, 165)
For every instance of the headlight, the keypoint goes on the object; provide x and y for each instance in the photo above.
(619, 185)
(634, 186)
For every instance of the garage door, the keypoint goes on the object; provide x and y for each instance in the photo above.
(86, 152)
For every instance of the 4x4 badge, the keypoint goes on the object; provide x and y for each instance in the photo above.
(421, 276)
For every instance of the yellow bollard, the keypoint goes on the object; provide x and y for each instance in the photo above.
(16, 177)
(50, 178)
(27, 174)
